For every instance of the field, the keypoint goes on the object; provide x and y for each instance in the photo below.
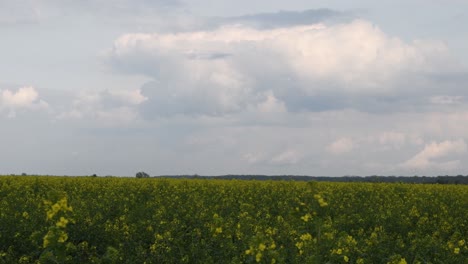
(123, 220)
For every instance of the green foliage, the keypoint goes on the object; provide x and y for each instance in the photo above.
(113, 220)
(142, 174)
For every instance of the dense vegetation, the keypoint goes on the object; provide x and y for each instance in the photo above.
(459, 179)
(115, 220)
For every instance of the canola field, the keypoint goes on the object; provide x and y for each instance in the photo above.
(124, 220)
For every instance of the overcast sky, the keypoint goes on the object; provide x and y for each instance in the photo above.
(303, 87)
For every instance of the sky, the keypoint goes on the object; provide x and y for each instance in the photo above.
(298, 87)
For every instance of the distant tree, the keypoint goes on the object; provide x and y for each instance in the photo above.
(142, 174)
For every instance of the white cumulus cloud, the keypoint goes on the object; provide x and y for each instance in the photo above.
(25, 98)
(133, 97)
(432, 152)
(231, 68)
(341, 146)
(271, 105)
(109, 106)
(288, 157)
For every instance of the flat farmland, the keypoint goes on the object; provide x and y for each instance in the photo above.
(128, 220)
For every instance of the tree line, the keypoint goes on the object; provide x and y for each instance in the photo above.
(458, 179)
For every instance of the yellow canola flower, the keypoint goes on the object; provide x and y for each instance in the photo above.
(456, 251)
(249, 251)
(62, 222)
(26, 215)
(46, 241)
(306, 217)
(322, 202)
(57, 207)
(63, 237)
(64, 204)
(346, 259)
(262, 247)
(306, 237)
(299, 245)
(258, 257)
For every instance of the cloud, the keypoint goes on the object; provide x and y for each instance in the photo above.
(393, 139)
(23, 12)
(446, 100)
(430, 156)
(282, 18)
(131, 97)
(25, 98)
(288, 157)
(254, 158)
(109, 106)
(283, 158)
(341, 146)
(271, 104)
(310, 67)
(117, 115)
(18, 12)
(113, 6)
